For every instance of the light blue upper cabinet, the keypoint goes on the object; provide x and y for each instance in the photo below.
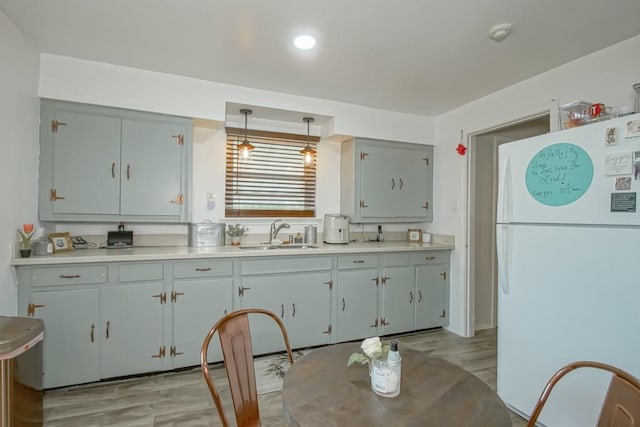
(386, 181)
(106, 164)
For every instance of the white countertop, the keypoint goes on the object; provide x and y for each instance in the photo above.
(159, 253)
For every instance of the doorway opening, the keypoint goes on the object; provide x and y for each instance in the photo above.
(483, 192)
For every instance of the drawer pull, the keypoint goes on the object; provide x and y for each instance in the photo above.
(410, 297)
(393, 183)
(419, 296)
(128, 171)
(344, 304)
(93, 329)
(69, 276)
(293, 314)
(282, 312)
(358, 261)
(401, 183)
(107, 332)
(430, 258)
(31, 309)
(113, 170)
(203, 269)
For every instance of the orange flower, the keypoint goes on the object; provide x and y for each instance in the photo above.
(26, 234)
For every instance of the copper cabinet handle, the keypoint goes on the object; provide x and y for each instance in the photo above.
(128, 171)
(93, 328)
(107, 332)
(241, 290)
(203, 269)
(430, 258)
(358, 261)
(282, 312)
(401, 183)
(410, 297)
(31, 309)
(175, 295)
(162, 296)
(180, 138)
(53, 195)
(69, 276)
(55, 124)
(393, 183)
(293, 314)
(329, 283)
(375, 324)
(173, 352)
(113, 170)
(344, 304)
(419, 295)
(160, 354)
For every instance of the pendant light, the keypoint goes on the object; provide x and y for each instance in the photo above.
(245, 147)
(307, 151)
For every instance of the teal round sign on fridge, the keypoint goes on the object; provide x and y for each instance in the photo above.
(559, 174)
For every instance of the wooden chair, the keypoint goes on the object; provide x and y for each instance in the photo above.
(621, 406)
(235, 341)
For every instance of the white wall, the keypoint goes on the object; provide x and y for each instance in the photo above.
(19, 118)
(605, 76)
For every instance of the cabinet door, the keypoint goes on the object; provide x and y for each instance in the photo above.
(357, 304)
(432, 283)
(310, 309)
(269, 293)
(132, 326)
(86, 164)
(378, 181)
(71, 336)
(151, 168)
(197, 305)
(398, 285)
(414, 176)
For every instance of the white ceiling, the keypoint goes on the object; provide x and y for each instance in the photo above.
(416, 56)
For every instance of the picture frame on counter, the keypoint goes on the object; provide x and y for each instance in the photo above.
(61, 242)
(414, 235)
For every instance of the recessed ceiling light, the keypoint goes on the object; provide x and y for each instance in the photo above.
(304, 42)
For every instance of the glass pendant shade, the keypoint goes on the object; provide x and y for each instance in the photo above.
(307, 151)
(245, 147)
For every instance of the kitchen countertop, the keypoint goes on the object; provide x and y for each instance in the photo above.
(159, 253)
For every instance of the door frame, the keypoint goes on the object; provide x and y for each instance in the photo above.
(551, 110)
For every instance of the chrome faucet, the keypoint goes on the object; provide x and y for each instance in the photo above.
(275, 230)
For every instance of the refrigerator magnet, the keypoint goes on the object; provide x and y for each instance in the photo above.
(623, 202)
(623, 183)
(612, 136)
(632, 130)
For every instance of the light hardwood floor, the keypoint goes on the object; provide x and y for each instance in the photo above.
(182, 399)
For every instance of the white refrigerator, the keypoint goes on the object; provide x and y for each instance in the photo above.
(568, 243)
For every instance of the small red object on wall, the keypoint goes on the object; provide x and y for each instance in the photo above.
(596, 109)
(461, 149)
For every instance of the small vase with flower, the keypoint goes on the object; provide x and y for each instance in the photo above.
(26, 234)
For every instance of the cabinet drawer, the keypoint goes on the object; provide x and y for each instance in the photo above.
(357, 261)
(203, 268)
(423, 258)
(392, 260)
(140, 272)
(285, 265)
(69, 275)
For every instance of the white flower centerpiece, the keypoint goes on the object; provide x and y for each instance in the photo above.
(384, 371)
(371, 347)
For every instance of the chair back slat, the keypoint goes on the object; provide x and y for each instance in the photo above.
(235, 341)
(621, 407)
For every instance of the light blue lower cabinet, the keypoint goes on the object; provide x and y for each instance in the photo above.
(197, 304)
(132, 328)
(71, 348)
(301, 300)
(107, 320)
(357, 304)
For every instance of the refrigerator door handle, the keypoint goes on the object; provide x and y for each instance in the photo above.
(504, 193)
(502, 249)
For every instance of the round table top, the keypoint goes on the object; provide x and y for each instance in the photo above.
(320, 390)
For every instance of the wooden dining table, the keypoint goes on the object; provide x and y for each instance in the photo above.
(320, 390)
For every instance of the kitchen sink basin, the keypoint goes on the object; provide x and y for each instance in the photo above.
(274, 247)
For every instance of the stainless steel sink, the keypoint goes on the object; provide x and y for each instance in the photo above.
(272, 247)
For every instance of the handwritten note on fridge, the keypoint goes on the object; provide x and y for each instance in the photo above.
(559, 174)
(618, 164)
